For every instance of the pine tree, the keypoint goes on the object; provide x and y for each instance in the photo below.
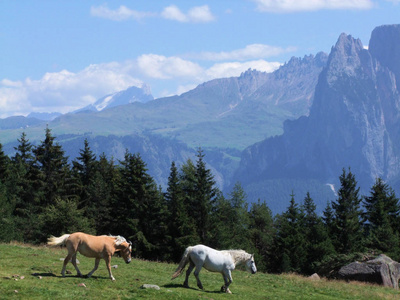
(233, 220)
(140, 211)
(261, 232)
(382, 215)
(290, 239)
(4, 165)
(317, 242)
(203, 199)
(182, 231)
(84, 170)
(53, 169)
(348, 223)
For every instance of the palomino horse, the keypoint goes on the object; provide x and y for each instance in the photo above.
(213, 260)
(92, 246)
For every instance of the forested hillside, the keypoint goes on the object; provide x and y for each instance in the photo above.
(41, 194)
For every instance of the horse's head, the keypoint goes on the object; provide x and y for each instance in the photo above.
(126, 252)
(125, 248)
(251, 265)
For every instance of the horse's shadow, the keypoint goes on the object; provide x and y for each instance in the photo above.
(67, 276)
(177, 285)
(47, 274)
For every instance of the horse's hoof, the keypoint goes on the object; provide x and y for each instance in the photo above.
(228, 291)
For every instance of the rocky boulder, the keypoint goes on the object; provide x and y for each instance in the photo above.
(381, 270)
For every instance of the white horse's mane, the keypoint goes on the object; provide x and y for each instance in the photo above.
(238, 256)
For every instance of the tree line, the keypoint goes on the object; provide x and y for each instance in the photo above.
(43, 194)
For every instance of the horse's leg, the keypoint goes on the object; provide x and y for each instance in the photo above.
(189, 270)
(96, 265)
(228, 280)
(196, 274)
(75, 265)
(108, 261)
(66, 260)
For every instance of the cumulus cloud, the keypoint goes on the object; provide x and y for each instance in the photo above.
(197, 14)
(66, 91)
(253, 51)
(63, 91)
(287, 6)
(120, 14)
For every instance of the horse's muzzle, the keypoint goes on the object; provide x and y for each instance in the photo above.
(128, 261)
(253, 272)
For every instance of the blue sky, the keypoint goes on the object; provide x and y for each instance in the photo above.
(57, 56)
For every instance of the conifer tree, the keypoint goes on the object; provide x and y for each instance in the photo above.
(382, 215)
(182, 231)
(53, 169)
(290, 240)
(139, 211)
(24, 185)
(318, 244)
(262, 232)
(348, 222)
(84, 170)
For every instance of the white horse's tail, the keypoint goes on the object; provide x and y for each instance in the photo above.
(183, 262)
(56, 241)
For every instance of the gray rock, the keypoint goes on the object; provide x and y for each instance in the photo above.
(150, 286)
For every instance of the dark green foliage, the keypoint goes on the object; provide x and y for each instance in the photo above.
(382, 214)
(261, 234)
(290, 240)
(348, 223)
(41, 194)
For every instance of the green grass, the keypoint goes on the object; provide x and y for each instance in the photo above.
(19, 261)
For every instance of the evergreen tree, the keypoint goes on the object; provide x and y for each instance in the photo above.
(24, 186)
(232, 220)
(203, 199)
(348, 223)
(4, 165)
(317, 241)
(182, 231)
(84, 170)
(102, 191)
(262, 232)
(382, 215)
(290, 240)
(8, 228)
(54, 170)
(140, 211)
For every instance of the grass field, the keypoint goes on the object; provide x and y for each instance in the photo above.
(30, 272)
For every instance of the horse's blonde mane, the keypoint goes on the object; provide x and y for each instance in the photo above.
(118, 239)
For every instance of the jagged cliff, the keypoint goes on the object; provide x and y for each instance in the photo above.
(353, 122)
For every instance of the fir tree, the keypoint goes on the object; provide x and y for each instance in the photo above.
(317, 241)
(382, 215)
(181, 229)
(290, 240)
(262, 232)
(348, 223)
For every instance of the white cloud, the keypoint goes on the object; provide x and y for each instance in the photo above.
(253, 51)
(198, 14)
(162, 67)
(120, 14)
(287, 6)
(64, 91)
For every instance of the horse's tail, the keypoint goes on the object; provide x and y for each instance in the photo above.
(56, 241)
(183, 262)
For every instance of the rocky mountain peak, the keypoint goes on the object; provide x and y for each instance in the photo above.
(384, 46)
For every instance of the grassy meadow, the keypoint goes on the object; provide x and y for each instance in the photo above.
(32, 272)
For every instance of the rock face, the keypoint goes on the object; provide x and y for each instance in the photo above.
(381, 270)
(353, 121)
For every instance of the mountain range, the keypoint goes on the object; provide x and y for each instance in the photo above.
(289, 131)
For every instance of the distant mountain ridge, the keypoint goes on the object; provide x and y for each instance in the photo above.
(130, 95)
(353, 122)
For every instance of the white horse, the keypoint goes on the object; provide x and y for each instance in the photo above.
(213, 260)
